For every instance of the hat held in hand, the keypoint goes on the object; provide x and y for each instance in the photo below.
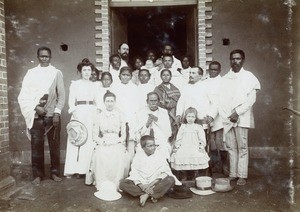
(77, 133)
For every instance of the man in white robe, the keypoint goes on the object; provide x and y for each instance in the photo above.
(237, 96)
(150, 174)
(195, 95)
(41, 99)
(154, 121)
(217, 146)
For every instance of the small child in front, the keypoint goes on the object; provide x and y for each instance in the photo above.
(150, 174)
(189, 148)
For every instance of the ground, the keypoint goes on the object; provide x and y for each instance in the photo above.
(261, 193)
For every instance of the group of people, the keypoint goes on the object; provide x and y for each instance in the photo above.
(146, 126)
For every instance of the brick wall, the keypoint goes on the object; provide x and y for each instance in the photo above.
(204, 33)
(4, 144)
(6, 181)
(102, 34)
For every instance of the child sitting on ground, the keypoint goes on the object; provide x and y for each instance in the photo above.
(189, 148)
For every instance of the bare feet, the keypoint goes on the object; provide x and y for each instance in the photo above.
(56, 178)
(36, 181)
(143, 199)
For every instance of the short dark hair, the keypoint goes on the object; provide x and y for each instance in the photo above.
(167, 55)
(109, 94)
(164, 71)
(146, 71)
(144, 140)
(85, 62)
(238, 51)
(113, 56)
(152, 93)
(168, 44)
(215, 63)
(125, 68)
(106, 73)
(43, 48)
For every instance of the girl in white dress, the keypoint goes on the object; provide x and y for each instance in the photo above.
(189, 148)
(110, 160)
(82, 101)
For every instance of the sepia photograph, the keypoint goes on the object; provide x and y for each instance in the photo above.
(149, 105)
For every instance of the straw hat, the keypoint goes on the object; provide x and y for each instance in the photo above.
(108, 191)
(77, 133)
(222, 185)
(203, 186)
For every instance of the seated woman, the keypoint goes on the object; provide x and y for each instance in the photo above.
(82, 101)
(169, 96)
(110, 160)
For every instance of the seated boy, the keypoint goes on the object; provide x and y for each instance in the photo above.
(150, 174)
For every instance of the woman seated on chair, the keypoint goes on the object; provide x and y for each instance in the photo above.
(110, 161)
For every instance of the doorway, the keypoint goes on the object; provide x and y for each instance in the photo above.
(145, 28)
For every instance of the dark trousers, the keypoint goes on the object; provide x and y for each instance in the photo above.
(161, 187)
(40, 126)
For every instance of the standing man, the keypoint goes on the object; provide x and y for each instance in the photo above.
(41, 100)
(123, 51)
(237, 96)
(217, 146)
(195, 94)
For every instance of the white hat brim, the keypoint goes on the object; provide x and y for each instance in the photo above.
(108, 197)
(202, 192)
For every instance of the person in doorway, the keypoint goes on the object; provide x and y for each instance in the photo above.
(82, 106)
(151, 55)
(186, 67)
(150, 175)
(123, 52)
(41, 99)
(237, 96)
(168, 49)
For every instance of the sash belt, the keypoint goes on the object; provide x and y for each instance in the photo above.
(84, 102)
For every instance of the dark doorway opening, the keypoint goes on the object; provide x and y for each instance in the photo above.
(145, 28)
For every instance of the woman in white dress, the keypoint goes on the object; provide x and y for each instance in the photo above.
(110, 159)
(82, 101)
